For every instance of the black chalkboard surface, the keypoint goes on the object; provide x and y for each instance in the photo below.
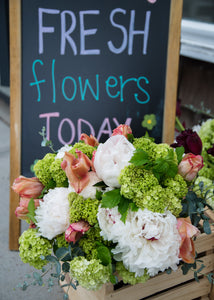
(88, 66)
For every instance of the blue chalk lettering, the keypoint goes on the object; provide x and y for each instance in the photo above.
(36, 80)
(53, 80)
(63, 88)
(87, 84)
(108, 84)
(143, 90)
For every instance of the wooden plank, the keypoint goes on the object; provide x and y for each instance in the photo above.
(159, 283)
(204, 242)
(15, 115)
(187, 291)
(172, 71)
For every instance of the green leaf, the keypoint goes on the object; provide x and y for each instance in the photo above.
(206, 227)
(113, 279)
(123, 207)
(130, 137)
(140, 158)
(111, 199)
(104, 255)
(63, 254)
(99, 195)
(65, 267)
(133, 206)
(179, 151)
(31, 207)
(196, 276)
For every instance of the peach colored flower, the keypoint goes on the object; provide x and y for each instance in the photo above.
(77, 169)
(122, 130)
(92, 141)
(187, 231)
(190, 165)
(27, 187)
(75, 231)
(22, 210)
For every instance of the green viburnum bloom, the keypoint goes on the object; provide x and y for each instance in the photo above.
(149, 121)
(90, 274)
(32, 247)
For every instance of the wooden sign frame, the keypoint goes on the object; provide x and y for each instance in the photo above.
(16, 96)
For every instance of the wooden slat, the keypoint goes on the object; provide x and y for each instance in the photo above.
(15, 115)
(159, 283)
(187, 291)
(204, 242)
(172, 71)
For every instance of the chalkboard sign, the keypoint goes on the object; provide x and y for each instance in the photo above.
(88, 66)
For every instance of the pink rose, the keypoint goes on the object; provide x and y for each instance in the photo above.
(190, 165)
(77, 170)
(122, 130)
(27, 187)
(187, 231)
(75, 231)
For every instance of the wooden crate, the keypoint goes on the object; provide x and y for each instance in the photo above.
(175, 286)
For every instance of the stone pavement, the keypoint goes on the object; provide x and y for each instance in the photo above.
(13, 271)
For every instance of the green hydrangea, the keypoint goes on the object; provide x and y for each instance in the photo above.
(129, 277)
(58, 174)
(162, 150)
(83, 209)
(89, 274)
(206, 134)
(60, 240)
(135, 182)
(32, 247)
(144, 144)
(208, 189)
(42, 168)
(88, 242)
(207, 172)
(177, 185)
(86, 149)
(158, 199)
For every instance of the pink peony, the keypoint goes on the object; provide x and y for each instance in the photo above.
(27, 187)
(92, 141)
(187, 231)
(75, 231)
(122, 130)
(77, 169)
(190, 165)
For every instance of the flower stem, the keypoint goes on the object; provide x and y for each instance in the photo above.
(181, 127)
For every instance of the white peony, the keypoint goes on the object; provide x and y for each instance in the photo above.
(111, 157)
(146, 241)
(53, 213)
(111, 225)
(62, 150)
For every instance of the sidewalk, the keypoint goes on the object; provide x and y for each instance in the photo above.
(13, 270)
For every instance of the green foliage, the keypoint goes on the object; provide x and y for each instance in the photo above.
(31, 211)
(114, 198)
(45, 142)
(195, 207)
(179, 151)
(162, 167)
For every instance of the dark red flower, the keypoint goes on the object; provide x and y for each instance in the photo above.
(211, 150)
(190, 140)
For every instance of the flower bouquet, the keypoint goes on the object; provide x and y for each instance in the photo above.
(119, 210)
